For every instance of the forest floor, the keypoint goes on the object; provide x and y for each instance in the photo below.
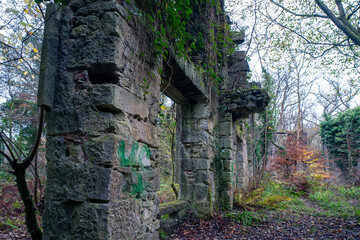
(12, 216)
(272, 211)
(278, 211)
(275, 224)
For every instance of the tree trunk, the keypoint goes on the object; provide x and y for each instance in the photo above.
(30, 210)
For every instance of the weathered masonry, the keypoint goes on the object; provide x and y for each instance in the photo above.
(102, 174)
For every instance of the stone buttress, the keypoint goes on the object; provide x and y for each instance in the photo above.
(102, 89)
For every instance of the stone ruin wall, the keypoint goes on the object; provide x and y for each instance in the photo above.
(102, 139)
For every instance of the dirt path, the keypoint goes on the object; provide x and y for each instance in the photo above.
(276, 224)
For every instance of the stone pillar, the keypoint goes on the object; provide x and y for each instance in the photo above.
(226, 161)
(196, 154)
(242, 163)
(102, 173)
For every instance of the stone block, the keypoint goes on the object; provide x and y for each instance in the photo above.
(186, 191)
(124, 220)
(205, 124)
(228, 165)
(152, 225)
(66, 182)
(99, 184)
(80, 31)
(100, 53)
(56, 220)
(145, 132)
(195, 164)
(77, 182)
(172, 207)
(154, 113)
(193, 136)
(114, 98)
(201, 209)
(226, 129)
(226, 199)
(72, 180)
(201, 192)
(96, 123)
(85, 120)
(78, 221)
(227, 177)
(92, 22)
(207, 151)
(197, 151)
(238, 38)
(102, 150)
(105, 97)
(112, 24)
(132, 153)
(195, 76)
(151, 180)
(186, 164)
(227, 154)
(186, 177)
(99, 8)
(90, 221)
(168, 226)
(226, 142)
(202, 177)
(201, 110)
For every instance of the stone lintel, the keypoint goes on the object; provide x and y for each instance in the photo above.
(172, 92)
(185, 78)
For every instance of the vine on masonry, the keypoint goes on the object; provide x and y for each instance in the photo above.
(208, 44)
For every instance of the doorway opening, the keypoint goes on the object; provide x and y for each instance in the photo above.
(167, 125)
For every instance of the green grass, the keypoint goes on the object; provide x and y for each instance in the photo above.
(349, 192)
(298, 205)
(337, 200)
(246, 217)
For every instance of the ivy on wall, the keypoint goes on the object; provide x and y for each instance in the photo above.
(195, 29)
(341, 135)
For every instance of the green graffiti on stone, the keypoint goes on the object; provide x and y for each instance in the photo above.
(139, 155)
(136, 157)
(138, 186)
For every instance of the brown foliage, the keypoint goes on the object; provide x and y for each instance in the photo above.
(297, 161)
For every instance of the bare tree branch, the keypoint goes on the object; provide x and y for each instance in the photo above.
(343, 26)
(298, 14)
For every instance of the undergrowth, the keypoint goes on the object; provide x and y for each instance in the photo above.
(335, 200)
(317, 198)
(273, 195)
(246, 217)
(166, 194)
(12, 216)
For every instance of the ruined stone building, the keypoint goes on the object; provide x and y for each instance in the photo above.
(102, 136)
